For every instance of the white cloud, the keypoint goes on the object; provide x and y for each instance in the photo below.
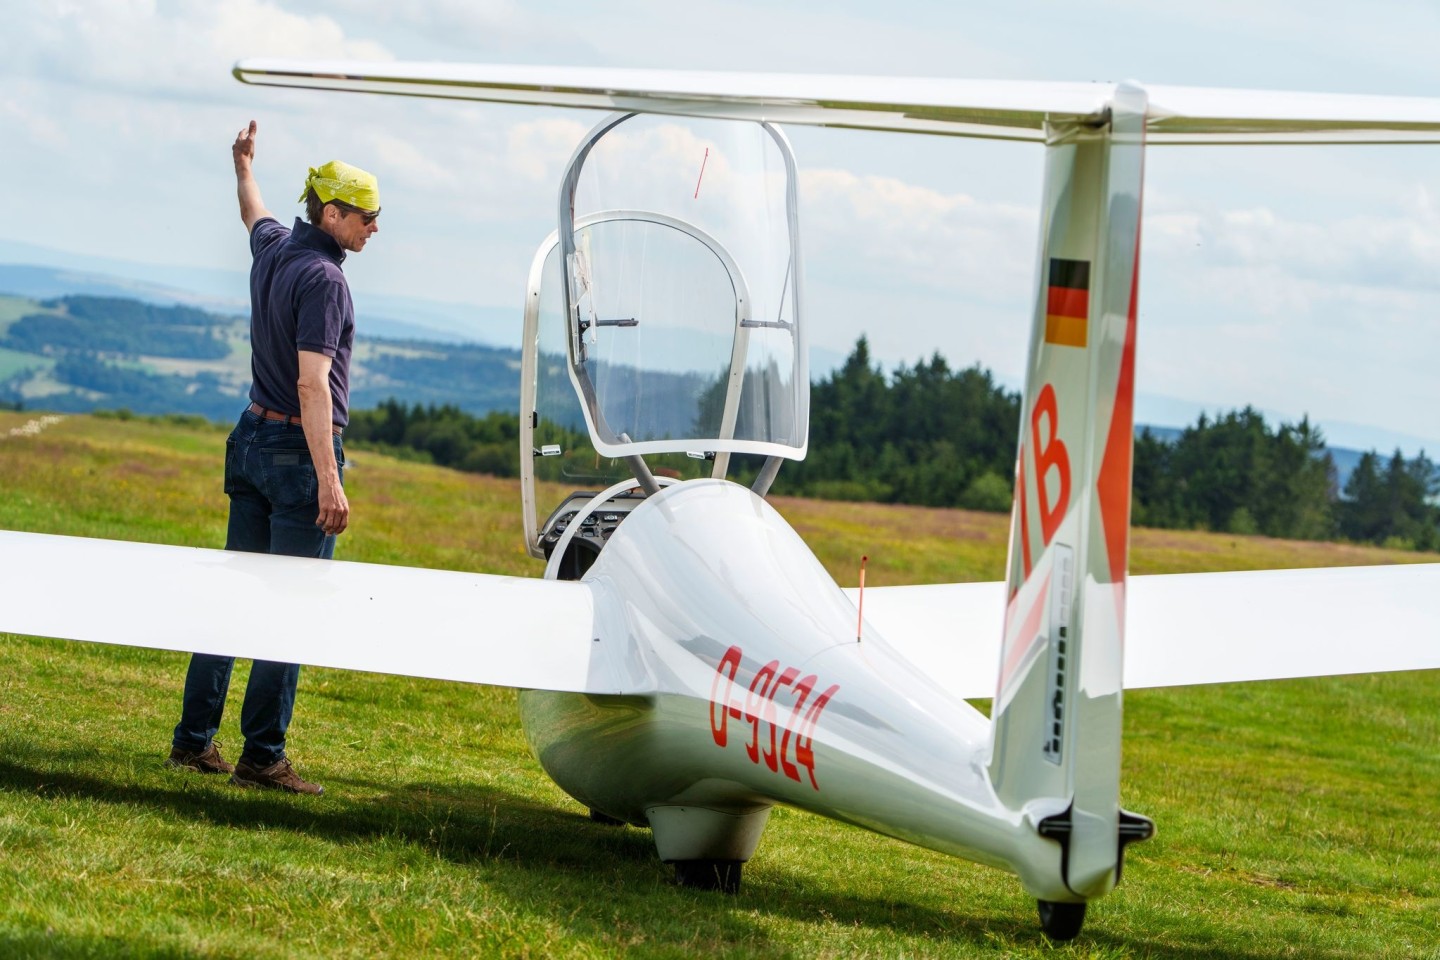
(1261, 261)
(479, 26)
(886, 231)
(536, 150)
(181, 48)
(787, 37)
(26, 124)
(403, 160)
(1321, 314)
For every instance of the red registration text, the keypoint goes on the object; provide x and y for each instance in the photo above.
(776, 715)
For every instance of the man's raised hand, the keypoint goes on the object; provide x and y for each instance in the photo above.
(244, 148)
(252, 207)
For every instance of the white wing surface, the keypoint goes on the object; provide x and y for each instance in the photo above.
(506, 631)
(1194, 628)
(997, 109)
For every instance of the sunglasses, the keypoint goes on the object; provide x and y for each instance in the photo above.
(367, 217)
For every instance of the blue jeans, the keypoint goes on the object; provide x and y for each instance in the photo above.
(274, 500)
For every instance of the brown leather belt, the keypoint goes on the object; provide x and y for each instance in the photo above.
(276, 415)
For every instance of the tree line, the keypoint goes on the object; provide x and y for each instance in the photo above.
(925, 435)
(443, 435)
(1236, 473)
(933, 436)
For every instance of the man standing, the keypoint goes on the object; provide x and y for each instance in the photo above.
(284, 461)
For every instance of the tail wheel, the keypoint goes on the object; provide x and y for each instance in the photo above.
(1061, 921)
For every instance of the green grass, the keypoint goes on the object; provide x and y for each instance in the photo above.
(1296, 819)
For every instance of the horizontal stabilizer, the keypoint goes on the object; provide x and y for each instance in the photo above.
(998, 109)
(1194, 628)
(951, 631)
(505, 631)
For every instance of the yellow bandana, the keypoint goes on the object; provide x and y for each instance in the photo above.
(337, 180)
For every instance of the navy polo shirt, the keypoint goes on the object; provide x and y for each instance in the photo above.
(299, 300)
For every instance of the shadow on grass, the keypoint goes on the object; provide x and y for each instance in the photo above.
(519, 841)
(51, 945)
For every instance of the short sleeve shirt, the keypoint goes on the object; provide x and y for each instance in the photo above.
(299, 300)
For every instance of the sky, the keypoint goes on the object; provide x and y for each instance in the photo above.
(1299, 280)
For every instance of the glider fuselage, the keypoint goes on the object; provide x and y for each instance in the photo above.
(746, 686)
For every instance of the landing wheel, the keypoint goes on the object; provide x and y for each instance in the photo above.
(1061, 921)
(605, 819)
(721, 875)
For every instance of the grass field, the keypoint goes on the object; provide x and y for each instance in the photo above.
(1296, 819)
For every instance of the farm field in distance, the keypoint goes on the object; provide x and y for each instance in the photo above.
(1295, 818)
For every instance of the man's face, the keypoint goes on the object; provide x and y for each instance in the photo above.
(349, 227)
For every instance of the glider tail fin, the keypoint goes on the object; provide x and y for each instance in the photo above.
(1057, 710)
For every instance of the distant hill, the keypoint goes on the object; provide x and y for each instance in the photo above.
(226, 292)
(79, 353)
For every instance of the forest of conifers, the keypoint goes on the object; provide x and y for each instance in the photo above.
(933, 436)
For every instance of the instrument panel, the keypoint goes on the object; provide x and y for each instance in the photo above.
(595, 527)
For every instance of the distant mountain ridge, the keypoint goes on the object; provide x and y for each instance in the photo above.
(83, 352)
(228, 295)
(44, 283)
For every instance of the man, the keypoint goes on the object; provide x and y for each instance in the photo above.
(284, 459)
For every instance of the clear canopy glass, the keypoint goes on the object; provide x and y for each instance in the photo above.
(663, 316)
(681, 288)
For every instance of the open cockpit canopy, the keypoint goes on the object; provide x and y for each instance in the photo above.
(663, 315)
(679, 287)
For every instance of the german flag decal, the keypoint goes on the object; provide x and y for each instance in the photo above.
(1067, 302)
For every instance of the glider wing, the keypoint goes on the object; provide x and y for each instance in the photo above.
(996, 109)
(506, 631)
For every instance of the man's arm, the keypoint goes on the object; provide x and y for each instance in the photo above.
(252, 208)
(315, 412)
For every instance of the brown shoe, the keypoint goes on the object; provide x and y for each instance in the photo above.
(205, 761)
(280, 775)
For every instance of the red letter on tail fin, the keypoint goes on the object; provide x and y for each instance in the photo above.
(1051, 453)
